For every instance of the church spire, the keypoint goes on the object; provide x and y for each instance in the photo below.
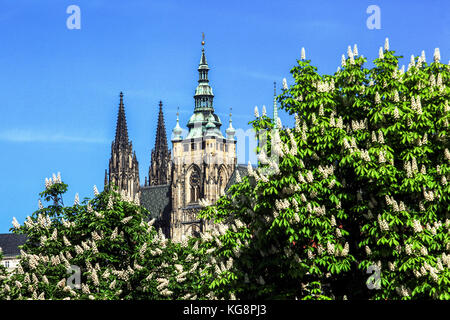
(203, 94)
(121, 127)
(158, 172)
(230, 131)
(161, 137)
(177, 131)
(204, 121)
(123, 164)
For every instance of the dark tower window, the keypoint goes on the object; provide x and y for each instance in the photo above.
(194, 182)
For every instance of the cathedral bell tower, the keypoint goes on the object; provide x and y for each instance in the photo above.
(202, 162)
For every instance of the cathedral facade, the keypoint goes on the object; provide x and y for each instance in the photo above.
(198, 167)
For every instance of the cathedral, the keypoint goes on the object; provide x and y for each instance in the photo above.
(199, 166)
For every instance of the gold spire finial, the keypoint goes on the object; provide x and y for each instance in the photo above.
(203, 38)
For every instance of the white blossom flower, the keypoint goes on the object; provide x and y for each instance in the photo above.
(386, 44)
(54, 235)
(264, 111)
(285, 85)
(61, 283)
(40, 205)
(77, 200)
(424, 251)
(447, 154)
(126, 220)
(355, 50)
(256, 112)
(96, 193)
(423, 170)
(350, 55)
(414, 167)
(15, 223)
(110, 202)
(330, 248)
(382, 156)
(114, 233)
(279, 124)
(303, 54)
(422, 56)
(380, 53)
(408, 249)
(377, 98)
(345, 250)
(343, 62)
(85, 288)
(380, 137)
(417, 226)
(309, 176)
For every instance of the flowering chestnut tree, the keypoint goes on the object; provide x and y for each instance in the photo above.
(104, 248)
(358, 204)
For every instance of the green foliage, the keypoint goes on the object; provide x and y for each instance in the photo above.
(361, 183)
(108, 239)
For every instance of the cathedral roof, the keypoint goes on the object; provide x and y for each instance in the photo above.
(243, 171)
(10, 242)
(157, 200)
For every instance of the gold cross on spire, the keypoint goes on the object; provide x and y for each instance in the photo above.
(203, 38)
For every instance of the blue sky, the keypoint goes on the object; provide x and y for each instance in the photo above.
(60, 87)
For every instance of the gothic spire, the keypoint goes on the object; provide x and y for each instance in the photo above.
(123, 164)
(161, 137)
(159, 166)
(121, 127)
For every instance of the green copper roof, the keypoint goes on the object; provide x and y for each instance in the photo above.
(203, 90)
(177, 131)
(204, 121)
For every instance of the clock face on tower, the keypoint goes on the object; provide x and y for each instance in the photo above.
(195, 178)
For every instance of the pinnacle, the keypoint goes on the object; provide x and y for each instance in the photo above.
(121, 127)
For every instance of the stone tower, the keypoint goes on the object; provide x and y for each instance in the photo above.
(203, 161)
(123, 164)
(160, 166)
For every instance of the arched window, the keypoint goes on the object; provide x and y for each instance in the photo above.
(194, 184)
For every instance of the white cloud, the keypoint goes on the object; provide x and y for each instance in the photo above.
(27, 135)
